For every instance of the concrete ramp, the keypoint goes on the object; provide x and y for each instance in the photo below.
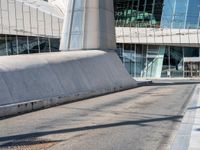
(30, 82)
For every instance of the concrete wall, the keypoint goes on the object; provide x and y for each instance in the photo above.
(62, 75)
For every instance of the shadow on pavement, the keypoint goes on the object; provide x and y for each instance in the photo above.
(195, 107)
(198, 129)
(142, 122)
(173, 83)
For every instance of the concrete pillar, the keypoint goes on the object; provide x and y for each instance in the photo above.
(88, 25)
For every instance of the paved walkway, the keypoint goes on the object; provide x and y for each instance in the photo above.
(188, 135)
(144, 118)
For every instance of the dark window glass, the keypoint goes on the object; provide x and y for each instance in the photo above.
(54, 45)
(44, 44)
(33, 45)
(191, 52)
(176, 62)
(2, 45)
(22, 45)
(12, 45)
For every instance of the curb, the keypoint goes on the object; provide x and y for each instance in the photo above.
(144, 83)
(25, 107)
(30, 106)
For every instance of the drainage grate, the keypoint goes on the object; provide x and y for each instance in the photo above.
(28, 144)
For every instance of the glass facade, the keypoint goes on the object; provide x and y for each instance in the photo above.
(153, 13)
(13, 44)
(138, 13)
(166, 18)
(77, 25)
(155, 61)
(181, 14)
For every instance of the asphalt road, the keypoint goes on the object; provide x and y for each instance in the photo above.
(144, 118)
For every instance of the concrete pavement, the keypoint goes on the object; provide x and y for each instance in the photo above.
(144, 118)
(188, 135)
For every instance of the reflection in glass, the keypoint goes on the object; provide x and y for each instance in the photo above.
(22, 45)
(12, 44)
(44, 45)
(176, 61)
(54, 45)
(191, 52)
(3, 45)
(33, 44)
(181, 14)
(135, 13)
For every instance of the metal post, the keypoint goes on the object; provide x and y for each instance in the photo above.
(169, 62)
(28, 48)
(6, 40)
(183, 49)
(135, 47)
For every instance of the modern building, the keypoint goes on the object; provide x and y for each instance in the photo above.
(155, 38)
(159, 38)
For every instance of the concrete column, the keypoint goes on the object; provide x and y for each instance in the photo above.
(88, 25)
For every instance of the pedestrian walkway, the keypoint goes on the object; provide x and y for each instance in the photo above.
(188, 136)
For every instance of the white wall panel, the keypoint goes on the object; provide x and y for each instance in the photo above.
(55, 22)
(34, 22)
(19, 16)
(41, 23)
(48, 24)
(12, 16)
(29, 18)
(179, 37)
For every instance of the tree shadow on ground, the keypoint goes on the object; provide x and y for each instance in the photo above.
(142, 122)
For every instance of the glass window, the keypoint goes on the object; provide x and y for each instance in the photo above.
(176, 61)
(3, 45)
(141, 51)
(191, 52)
(193, 14)
(33, 44)
(54, 45)
(77, 25)
(12, 45)
(166, 63)
(44, 45)
(22, 45)
(79, 4)
(134, 13)
(180, 14)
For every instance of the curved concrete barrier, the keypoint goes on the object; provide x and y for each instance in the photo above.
(30, 82)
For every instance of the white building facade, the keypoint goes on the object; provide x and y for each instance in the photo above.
(29, 26)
